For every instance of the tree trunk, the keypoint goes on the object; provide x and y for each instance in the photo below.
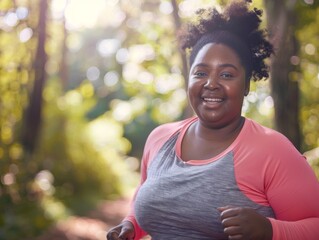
(281, 17)
(64, 67)
(188, 112)
(33, 112)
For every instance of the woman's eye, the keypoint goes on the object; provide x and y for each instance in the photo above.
(200, 74)
(226, 75)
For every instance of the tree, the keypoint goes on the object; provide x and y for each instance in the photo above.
(66, 152)
(33, 112)
(177, 20)
(281, 16)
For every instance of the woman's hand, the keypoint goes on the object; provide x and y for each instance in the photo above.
(245, 223)
(123, 231)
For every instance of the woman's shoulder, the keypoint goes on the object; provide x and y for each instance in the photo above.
(160, 135)
(257, 130)
(262, 137)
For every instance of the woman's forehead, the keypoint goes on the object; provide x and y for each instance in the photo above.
(216, 52)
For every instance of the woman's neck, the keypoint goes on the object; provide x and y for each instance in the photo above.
(219, 134)
(201, 142)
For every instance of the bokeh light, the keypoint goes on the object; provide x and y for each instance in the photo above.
(166, 7)
(93, 73)
(309, 2)
(122, 111)
(111, 78)
(22, 13)
(108, 47)
(168, 82)
(83, 13)
(26, 34)
(310, 49)
(122, 55)
(11, 19)
(8, 179)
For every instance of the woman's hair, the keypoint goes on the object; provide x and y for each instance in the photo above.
(236, 27)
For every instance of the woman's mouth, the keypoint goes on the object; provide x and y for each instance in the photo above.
(212, 103)
(212, 100)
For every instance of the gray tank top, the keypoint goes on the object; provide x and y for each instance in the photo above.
(179, 201)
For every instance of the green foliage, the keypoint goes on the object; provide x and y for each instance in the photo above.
(82, 170)
(5, 5)
(309, 78)
(72, 170)
(22, 220)
(313, 158)
(91, 127)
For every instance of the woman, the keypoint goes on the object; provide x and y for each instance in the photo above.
(219, 175)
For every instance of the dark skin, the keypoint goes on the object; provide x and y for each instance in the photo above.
(217, 86)
(245, 223)
(216, 91)
(123, 231)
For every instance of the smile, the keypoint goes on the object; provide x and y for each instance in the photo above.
(213, 100)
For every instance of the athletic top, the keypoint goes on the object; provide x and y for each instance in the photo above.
(271, 177)
(179, 200)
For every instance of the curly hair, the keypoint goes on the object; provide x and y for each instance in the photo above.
(237, 27)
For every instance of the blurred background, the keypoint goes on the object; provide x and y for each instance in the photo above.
(82, 84)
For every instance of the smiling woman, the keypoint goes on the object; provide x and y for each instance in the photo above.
(219, 175)
(217, 86)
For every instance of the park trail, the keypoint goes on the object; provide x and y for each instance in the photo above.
(94, 226)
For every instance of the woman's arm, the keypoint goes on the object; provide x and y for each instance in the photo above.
(297, 230)
(271, 172)
(293, 193)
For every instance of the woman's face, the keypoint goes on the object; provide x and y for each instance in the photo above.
(217, 85)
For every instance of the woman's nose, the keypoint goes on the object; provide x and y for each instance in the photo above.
(211, 82)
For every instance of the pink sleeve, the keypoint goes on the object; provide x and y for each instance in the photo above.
(272, 172)
(293, 193)
(303, 229)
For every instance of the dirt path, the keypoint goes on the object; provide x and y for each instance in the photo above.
(92, 227)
